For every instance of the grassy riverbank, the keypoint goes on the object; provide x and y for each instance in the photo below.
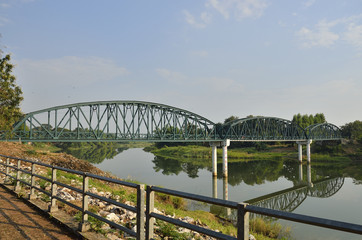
(169, 205)
(271, 152)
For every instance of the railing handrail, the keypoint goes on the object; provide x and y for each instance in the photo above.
(145, 229)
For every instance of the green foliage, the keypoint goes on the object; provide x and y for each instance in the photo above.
(307, 120)
(353, 130)
(170, 231)
(10, 95)
(269, 228)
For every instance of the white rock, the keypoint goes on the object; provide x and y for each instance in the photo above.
(251, 237)
(112, 217)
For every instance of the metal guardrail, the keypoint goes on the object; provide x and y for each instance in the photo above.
(146, 219)
(84, 225)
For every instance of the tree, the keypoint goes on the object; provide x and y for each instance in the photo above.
(307, 120)
(10, 95)
(353, 130)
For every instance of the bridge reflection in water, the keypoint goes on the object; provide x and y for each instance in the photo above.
(289, 199)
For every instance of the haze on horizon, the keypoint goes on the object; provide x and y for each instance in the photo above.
(216, 58)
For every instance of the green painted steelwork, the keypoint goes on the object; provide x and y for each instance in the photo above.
(322, 131)
(263, 129)
(124, 121)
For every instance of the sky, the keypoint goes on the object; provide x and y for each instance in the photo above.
(216, 58)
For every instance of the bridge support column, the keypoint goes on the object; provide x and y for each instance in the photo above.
(309, 175)
(300, 151)
(225, 145)
(214, 146)
(308, 150)
(300, 174)
(214, 186)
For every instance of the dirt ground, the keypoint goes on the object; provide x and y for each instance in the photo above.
(19, 221)
(19, 150)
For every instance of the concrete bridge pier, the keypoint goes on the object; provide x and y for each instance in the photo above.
(214, 146)
(300, 150)
(308, 150)
(225, 145)
(309, 175)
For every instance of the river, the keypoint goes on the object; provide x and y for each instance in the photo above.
(328, 190)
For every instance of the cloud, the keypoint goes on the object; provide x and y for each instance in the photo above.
(309, 3)
(205, 18)
(327, 33)
(239, 9)
(69, 70)
(171, 76)
(235, 9)
(353, 35)
(321, 36)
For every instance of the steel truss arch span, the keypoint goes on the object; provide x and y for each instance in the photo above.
(323, 131)
(263, 129)
(114, 121)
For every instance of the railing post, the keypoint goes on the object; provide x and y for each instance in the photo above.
(7, 170)
(53, 202)
(149, 209)
(32, 190)
(243, 222)
(84, 224)
(17, 186)
(141, 212)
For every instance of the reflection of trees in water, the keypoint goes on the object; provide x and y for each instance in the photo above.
(171, 166)
(256, 172)
(93, 152)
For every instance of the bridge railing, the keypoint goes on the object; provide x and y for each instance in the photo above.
(13, 168)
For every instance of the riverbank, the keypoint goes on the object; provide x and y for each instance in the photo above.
(346, 153)
(166, 205)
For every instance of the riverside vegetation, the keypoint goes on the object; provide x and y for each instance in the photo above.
(168, 205)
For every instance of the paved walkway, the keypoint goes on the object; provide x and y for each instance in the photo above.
(19, 221)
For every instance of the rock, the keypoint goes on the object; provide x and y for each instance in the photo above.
(103, 213)
(130, 215)
(251, 237)
(113, 217)
(112, 236)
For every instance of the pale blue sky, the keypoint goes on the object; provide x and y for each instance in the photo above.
(213, 57)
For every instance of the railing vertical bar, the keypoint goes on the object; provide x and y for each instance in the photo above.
(84, 225)
(141, 212)
(32, 190)
(243, 222)
(7, 178)
(53, 202)
(17, 186)
(149, 209)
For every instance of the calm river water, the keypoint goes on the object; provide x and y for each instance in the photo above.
(329, 191)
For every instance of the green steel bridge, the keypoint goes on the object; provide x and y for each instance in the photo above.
(124, 121)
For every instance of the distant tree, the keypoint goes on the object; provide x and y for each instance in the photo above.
(307, 120)
(353, 130)
(10, 95)
(230, 119)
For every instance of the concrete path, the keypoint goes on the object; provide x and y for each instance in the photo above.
(19, 221)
